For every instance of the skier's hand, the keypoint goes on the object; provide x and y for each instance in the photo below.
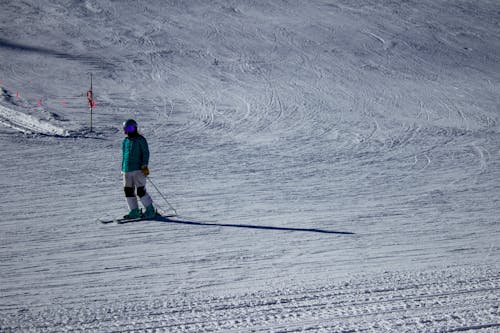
(145, 170)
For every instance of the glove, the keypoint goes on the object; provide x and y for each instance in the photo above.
(145, 171)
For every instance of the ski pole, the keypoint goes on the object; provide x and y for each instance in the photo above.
(161, 194)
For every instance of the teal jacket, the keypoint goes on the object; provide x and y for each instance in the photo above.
(135, 153)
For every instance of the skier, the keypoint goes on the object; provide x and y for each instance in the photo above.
(135, 158)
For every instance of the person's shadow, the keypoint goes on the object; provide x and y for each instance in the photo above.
(248, 226)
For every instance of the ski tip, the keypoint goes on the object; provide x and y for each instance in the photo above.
(105, 221)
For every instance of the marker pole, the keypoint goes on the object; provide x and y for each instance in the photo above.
(91, 101)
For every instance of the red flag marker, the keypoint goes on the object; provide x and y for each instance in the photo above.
(90, 99)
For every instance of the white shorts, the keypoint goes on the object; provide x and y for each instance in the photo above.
(134, 179)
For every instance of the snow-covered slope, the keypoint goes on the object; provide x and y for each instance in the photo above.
(335, 165)
(28, 124)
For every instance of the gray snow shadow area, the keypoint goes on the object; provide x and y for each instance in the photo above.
(334, 165)
(17, 47)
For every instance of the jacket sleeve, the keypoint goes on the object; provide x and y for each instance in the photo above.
(123, 155)
(145, 152)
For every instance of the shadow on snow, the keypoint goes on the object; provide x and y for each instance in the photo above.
(250, 226)
(97, 62)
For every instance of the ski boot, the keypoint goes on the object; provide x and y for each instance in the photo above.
(133, 214)
(150, 212)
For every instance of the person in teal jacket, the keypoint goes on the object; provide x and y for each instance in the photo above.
(135, 159)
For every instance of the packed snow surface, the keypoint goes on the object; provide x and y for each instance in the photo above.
(335, 165)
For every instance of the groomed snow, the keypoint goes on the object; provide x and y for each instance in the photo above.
(334, 164)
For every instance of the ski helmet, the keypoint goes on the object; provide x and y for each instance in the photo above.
(130, 126)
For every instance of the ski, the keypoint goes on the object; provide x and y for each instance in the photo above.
(121, 220)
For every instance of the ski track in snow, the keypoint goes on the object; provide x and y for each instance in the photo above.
(29, 124)
(377, 122)
(466, 301)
